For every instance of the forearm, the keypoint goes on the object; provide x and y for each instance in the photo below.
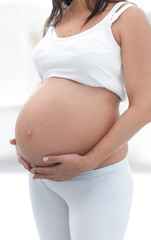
(127, 125)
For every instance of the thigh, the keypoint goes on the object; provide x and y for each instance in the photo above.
(101, 208)
(50, 211)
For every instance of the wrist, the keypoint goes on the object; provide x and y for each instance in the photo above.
(89, 162)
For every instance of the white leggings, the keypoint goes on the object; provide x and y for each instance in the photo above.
(94, 205)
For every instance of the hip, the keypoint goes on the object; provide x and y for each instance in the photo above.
(113, 180)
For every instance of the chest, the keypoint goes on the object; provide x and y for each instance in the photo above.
(87, 49)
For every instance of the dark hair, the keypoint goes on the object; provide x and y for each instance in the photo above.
(60, 5)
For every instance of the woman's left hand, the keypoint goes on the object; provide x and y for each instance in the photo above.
(67, 167)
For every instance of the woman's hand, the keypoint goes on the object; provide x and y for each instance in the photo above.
(67, 167)
(20, 158)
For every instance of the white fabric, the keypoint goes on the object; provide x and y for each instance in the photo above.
(118, 13)
(92, 206)
(91, 57)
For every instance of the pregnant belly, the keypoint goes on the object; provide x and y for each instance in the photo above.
(63, 116)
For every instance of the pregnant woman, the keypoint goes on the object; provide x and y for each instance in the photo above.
(69, 134)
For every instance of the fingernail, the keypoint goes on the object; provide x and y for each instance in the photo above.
(33, 171)
(45, 159)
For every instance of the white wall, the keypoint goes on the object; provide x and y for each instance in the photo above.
(21, 24)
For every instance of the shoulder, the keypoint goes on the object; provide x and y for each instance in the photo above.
(135, 35)
(132, 20)
(132, 11)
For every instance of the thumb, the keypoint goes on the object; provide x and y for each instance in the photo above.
(53, 159)
(13, 141)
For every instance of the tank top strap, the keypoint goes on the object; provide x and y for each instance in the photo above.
(115, 13)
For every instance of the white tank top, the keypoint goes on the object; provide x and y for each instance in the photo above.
(91, 57)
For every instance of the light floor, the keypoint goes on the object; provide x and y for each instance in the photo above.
(16, 220)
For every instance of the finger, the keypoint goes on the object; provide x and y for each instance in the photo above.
(24, 163)
(49, 177)
(45, 170)
(13, 141)
(22, 160)
(42, 176)
(53, 159)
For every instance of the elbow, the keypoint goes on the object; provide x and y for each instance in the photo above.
(146, 110)
(141, 102)
(148, 113)
(143, 110)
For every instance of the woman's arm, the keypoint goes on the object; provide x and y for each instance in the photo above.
(135, 36)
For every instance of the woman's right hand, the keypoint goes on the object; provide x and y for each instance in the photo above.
(20, 158)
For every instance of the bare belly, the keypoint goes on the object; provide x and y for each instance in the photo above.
(63, 116)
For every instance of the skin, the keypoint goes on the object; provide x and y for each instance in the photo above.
(132, 32)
